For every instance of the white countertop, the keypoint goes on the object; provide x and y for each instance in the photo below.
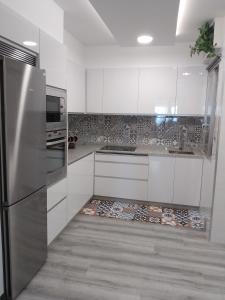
(83, 150)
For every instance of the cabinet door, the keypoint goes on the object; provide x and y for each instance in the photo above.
(56, 220)
(161, 178)
(52, 59)
(56, 192)
(191, 90)
(75, 83)
(120, 91)
(94, 90)
(187, 181)
(80, 184)
(157, 90)
(17, 29)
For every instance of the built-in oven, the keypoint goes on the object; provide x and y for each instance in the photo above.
(55, 108)
(56, 155)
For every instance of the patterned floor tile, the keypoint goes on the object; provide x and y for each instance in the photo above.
(146, 212)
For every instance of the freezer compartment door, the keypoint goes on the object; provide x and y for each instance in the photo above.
(23, 129)
(25, 240)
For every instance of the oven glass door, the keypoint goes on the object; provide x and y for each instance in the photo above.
(56, 156)
(53, 109)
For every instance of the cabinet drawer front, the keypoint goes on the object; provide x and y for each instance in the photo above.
(56, 220)
(121, 170)
(84, 166)
(121, 188)
(132, 159)
(56, 193)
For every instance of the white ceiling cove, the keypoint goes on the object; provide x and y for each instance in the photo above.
(118, 22)
(83, 22)
(196, 12)
(127, 19)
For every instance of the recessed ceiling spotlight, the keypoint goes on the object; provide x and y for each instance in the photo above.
(186, 74)
(145, 39)
(30, 43)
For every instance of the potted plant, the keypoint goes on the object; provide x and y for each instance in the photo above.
(204, 42)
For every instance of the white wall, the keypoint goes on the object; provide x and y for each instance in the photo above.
(218, 218)
(115, 56)
(74, 49)
(45, 14)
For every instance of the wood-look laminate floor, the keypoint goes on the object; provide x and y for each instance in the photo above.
(98, 258)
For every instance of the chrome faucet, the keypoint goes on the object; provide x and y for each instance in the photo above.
(182, 137)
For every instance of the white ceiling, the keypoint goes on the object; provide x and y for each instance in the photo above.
(127, 19)
(119, 21)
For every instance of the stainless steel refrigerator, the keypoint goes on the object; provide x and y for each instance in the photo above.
(23, 174)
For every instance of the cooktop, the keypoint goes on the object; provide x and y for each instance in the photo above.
(119, 148)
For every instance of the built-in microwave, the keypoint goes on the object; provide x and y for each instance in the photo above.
(55, 108)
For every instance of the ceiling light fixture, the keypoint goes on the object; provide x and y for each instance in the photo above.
(186, 74)
(181, 12)
(30, 43)
(145, 39)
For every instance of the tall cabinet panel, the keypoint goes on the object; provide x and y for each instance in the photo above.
(187, 181)
(94, 90)
(120, 90)
(161, 177)
(80, 184)
(1, 265)
(191, 90)
(75, 85)
(157, 90)
(53, 60)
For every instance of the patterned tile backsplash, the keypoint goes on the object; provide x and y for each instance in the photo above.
(136, 130)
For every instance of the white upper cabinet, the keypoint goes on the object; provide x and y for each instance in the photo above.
(157, 90)
(154, 90)
(120, 93)
(191, 90)
(187, 181)
(94, 90)
(75, 85)
(17, 29)
(53, 60)
(161, 177)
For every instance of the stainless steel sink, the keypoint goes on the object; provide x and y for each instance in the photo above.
(180, 152)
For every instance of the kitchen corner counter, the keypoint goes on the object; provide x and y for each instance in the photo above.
(152, 150)
(81, 151)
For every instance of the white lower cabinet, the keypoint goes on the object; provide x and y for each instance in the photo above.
(80, 184)
(56, 220)
(187, 181)
(161, 179)
(122, 176)
(175, 180)
(56, 192)
(121, 188)
(56, 207)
